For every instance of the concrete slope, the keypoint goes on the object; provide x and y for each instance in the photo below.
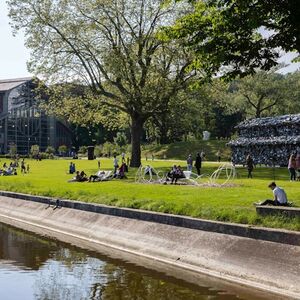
(269, 266)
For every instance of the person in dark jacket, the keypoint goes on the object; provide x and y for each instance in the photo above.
(250, 165)
(198, 163)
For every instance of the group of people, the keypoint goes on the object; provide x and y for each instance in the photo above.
(293, 166)
(198, 162)
(118, 172)
(11, 168)
(174, 174)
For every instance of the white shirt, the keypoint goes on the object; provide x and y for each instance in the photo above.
(280, 195)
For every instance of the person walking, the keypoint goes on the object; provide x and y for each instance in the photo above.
(249, 164)
(198, 163)
(292, 167)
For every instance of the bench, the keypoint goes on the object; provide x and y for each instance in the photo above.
(265, 210)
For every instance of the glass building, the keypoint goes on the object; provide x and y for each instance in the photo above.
(23, 124)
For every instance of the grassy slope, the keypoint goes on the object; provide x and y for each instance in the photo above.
(49, 178)
(181, 150)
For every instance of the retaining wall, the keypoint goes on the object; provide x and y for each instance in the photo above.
(189, 246)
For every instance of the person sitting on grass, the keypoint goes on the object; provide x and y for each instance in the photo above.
(280, 198)
(81, 176)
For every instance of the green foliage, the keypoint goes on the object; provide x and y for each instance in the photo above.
(98, 151)
(180, 150)
(121, 140)
(225, 34)
(109, 148)
(82, 150)
(62, 149)
(34, 150)
(112, 49)
(50, 150)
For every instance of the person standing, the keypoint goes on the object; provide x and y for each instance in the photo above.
(292, 167)
(298, 163)
(198, 163)
(219, 155)
(116, 164)
(123, 157)
(249, 164)
(99, 164)
(189, 162)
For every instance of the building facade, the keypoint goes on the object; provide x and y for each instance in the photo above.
(23, 124)
(268, 140)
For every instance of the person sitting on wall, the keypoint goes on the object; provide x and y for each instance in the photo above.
(280, 198)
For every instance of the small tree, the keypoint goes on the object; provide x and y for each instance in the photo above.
(82, 150)
(62, 149)
(50, 150)
(35, 150)
(121, 140)
(98, 150)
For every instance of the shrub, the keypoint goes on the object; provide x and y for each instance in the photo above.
(50, 150)
(82, 150)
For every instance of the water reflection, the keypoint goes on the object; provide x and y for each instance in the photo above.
(47, 269)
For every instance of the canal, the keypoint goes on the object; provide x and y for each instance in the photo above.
(35, 267)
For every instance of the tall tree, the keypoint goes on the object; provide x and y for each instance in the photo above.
(112, 47)
(226, 34)
(261, 93)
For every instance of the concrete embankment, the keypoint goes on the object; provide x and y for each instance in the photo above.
(235, 253)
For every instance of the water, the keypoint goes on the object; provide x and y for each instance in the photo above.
(33, 267)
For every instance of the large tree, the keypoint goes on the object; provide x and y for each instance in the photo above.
(235, 37)
(111, 46)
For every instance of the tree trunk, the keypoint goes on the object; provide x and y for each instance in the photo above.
(136, 134)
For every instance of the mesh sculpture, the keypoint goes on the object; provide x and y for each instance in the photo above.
(269, 141)
(219, 178)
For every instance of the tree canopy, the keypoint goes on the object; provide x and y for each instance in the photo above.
(110, 46)
(228, 35)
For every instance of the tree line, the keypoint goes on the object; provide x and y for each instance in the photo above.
(153, 66)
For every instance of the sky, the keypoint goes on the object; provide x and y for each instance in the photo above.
(14, 55)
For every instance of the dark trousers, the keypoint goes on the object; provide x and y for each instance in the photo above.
(198, 170)
(250, 173)
(292, 173)
(273, 202)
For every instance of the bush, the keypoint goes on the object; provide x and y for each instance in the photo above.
(62, 149)
(82, 150)
(109, 148)
(50, 150)
(34, 150)
(98, 151)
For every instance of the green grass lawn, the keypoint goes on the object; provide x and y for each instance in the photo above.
(182, 149)
(230, 204)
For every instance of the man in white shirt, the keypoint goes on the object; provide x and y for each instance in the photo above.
(280, 198)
